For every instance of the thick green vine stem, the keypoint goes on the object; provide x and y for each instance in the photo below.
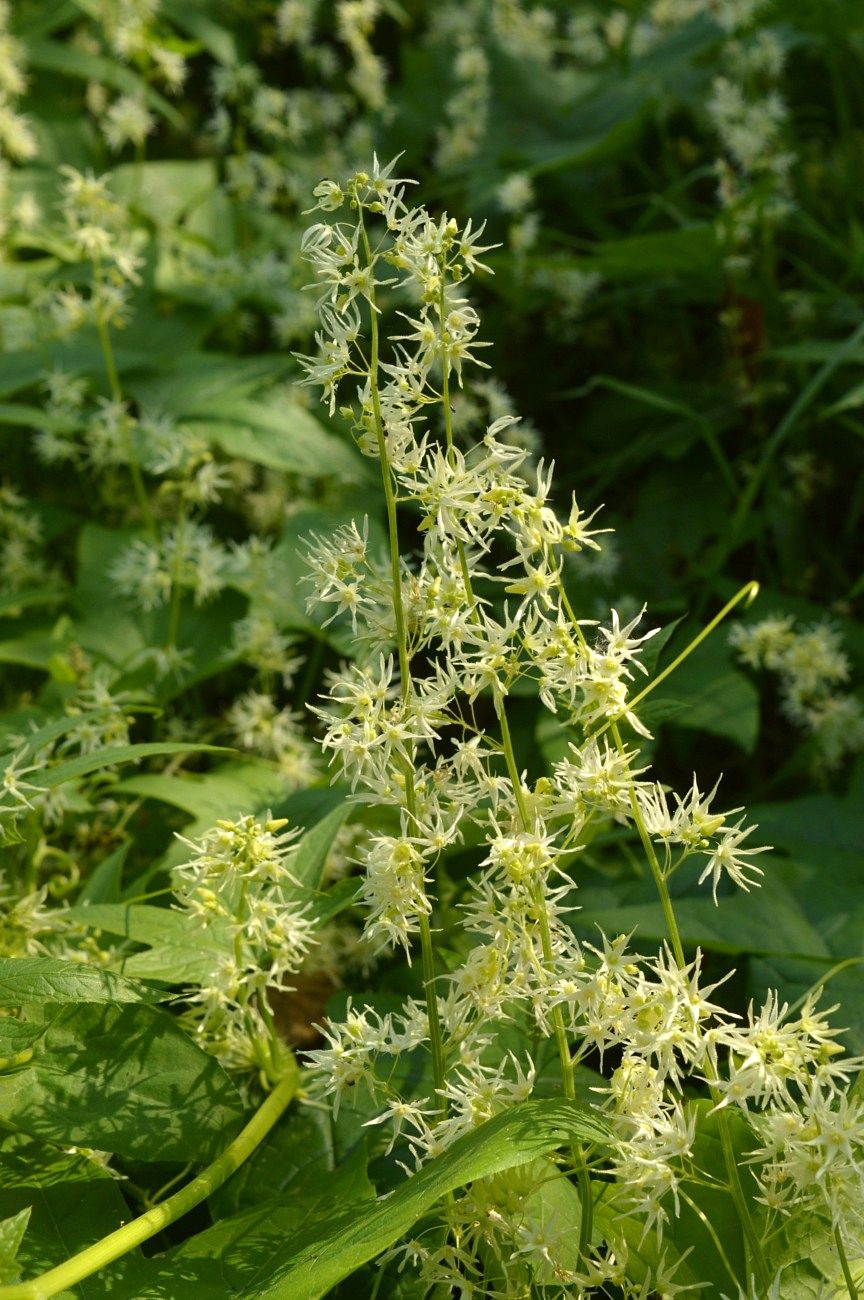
(124, 1239)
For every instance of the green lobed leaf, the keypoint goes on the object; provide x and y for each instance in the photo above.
(50, 979)
(767, 920)
(28, 1162)
(233, 1257)
(279, 434)
(103, 884)
(308, 862)
(64, 1219)
(297, 1153)
(250, 1245)
(230, 790)
(45, 55)
(179, 951)
(16, 1041)
(167, 188)
(122, 1078)
(707, 693)
(11, 603)
(11, 1235)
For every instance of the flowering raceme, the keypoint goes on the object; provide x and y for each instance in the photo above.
(443, 638)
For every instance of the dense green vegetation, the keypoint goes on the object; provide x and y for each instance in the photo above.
(353, 938)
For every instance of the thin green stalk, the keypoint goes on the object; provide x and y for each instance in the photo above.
(436, 1037)
(108, 359)
(510, 756)
(240, 917)
(819, 984)
(133, 1234)
(712, 1232)
(166, 1187)
(117, 394)
(312, 671)
(844, 1264)
(747, 593)
(176, 575)
(653, 861)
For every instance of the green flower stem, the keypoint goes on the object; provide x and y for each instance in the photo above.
(436, 1038)
(712, 1233)
(653, 861)
(844, 1264)
(735, 1188)
(747, 593)
(117, 394)
(176, 576)
(132, 1234)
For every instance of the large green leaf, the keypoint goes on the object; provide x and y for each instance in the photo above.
(297, 1153)
(72, 1201)
(707, 693)
(12, 602)
(12, 1231)
(122, 1078)
(234, 1257)
(769, 919)
(65, 1217)
(307, 864)
(180, 951)
(215, 37)
(314, 1260)
(250, 1246)
(49, 979)
(45, 55)
(165, 189)
(71, 769)
(690, 251)
(230, 790)
(184, 382)
(278, 433)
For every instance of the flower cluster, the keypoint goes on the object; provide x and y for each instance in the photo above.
(482, 609)
(810, 665)
(750, 117)
(98, 232)
(22, 562)
(17, 141)
(237, 886)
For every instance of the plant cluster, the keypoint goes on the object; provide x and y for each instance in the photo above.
(371, 918)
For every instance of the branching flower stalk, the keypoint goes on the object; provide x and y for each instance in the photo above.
(439, 637)
(564, 1057)
(427, 946)
(97, 227)
(735, 1188)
